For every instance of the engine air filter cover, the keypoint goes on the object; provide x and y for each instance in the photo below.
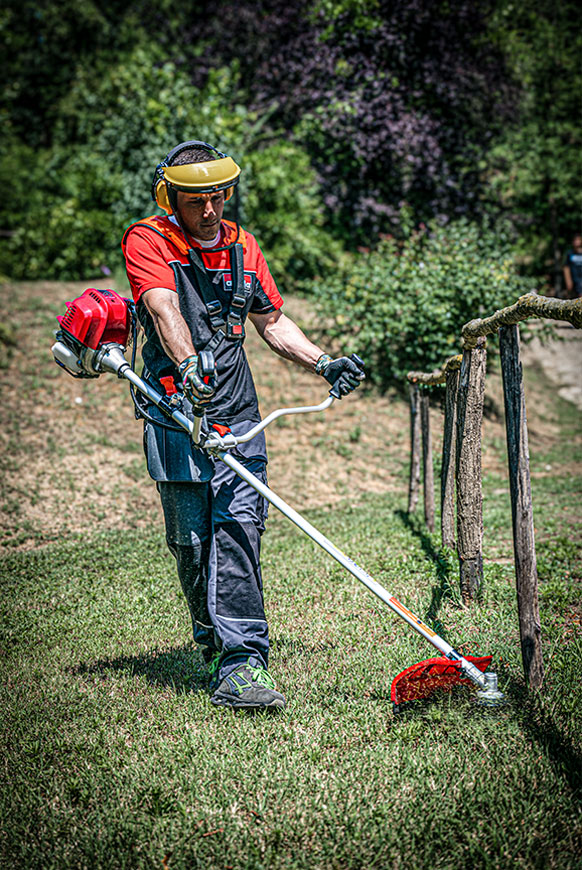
(97, 317)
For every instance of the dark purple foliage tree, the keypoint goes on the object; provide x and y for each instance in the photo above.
(396, 106)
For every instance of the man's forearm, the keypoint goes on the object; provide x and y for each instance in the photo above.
(170, 325)
(175, 337)
(289, 341)
(568, 279)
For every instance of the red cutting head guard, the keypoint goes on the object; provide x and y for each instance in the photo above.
(97, 317)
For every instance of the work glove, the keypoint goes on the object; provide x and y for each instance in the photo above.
(344, 373)
(198, 373)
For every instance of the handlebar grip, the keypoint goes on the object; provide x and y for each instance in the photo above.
(206, 365)
(358, 360)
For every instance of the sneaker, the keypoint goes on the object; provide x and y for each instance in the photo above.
(248, 688)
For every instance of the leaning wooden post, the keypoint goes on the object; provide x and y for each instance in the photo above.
(468, 466)
(414, 483)
(526, 576)
(427, 466)
(448, 461)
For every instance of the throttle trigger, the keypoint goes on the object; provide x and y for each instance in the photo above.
(222, 430)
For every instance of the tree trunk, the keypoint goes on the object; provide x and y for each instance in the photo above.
(448, 462)
(468, 462)
(427, 466)
(414, 449)
(526, 575)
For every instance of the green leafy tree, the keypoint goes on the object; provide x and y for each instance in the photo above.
(122, 120)
(533, 169)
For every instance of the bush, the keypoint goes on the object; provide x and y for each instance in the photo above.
(114, 126)
(402, 306)
(282, 204)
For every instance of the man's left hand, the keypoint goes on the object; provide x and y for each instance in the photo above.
(342, 373)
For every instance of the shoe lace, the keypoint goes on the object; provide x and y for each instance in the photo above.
(213, 663)
(261, 676)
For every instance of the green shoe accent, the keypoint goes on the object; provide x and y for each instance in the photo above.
(213, 666)
(263, 677)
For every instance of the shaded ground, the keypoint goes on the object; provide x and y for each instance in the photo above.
(71, 455)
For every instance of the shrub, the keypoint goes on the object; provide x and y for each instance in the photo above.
(283, 206)
(402, 306)
(114, 126)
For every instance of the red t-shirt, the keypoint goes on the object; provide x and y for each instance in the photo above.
(157, 256)
(148, 255)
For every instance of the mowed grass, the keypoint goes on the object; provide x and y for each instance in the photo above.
(114, 757)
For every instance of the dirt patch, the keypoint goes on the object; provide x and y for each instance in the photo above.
(560, 360)
(72, 460)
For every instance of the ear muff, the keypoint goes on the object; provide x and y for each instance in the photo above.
(160, 195)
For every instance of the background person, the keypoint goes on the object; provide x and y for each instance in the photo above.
(573, 268)
(196, 278)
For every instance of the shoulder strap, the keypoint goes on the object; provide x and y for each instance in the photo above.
(163, 227)
(240, 293)
(234, 233)
(231, 326)
(206, 290)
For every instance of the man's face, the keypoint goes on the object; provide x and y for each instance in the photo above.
(577, 243)
(201, 213)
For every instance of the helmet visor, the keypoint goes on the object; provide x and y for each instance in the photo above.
(203, 177)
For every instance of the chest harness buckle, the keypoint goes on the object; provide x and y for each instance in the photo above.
(229, 325)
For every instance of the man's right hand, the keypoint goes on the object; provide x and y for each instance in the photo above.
(196, 389)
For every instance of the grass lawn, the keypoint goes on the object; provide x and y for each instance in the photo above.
(113, 756)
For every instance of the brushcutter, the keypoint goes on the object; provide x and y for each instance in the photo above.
(92, 339)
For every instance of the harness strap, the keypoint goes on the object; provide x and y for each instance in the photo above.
(230, 327)
(240, 293)
(227, 325)
(212, 303)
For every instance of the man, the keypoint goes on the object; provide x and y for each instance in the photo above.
(573, 268)
(195, 278)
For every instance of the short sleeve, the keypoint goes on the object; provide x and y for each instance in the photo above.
(145, 262)
(266, 297)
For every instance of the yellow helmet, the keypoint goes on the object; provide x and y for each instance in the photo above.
(216, 173)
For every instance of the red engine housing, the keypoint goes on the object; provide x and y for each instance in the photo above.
(97, 317)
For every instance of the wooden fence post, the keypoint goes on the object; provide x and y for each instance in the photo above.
(427, 465)
(468, 466)
(448, 461)
(526, 576)
(414, 448)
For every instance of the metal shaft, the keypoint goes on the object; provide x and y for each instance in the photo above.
(413, 621)
(417, 624)
(193, 428)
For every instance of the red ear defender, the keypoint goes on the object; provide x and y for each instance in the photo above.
(97, 317)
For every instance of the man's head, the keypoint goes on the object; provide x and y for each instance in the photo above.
(577, 242)
(194, 181)
(200, 213)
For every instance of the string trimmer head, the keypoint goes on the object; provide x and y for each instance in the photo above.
(441, 674)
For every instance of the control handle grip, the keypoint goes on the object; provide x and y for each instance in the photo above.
(335, 392)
